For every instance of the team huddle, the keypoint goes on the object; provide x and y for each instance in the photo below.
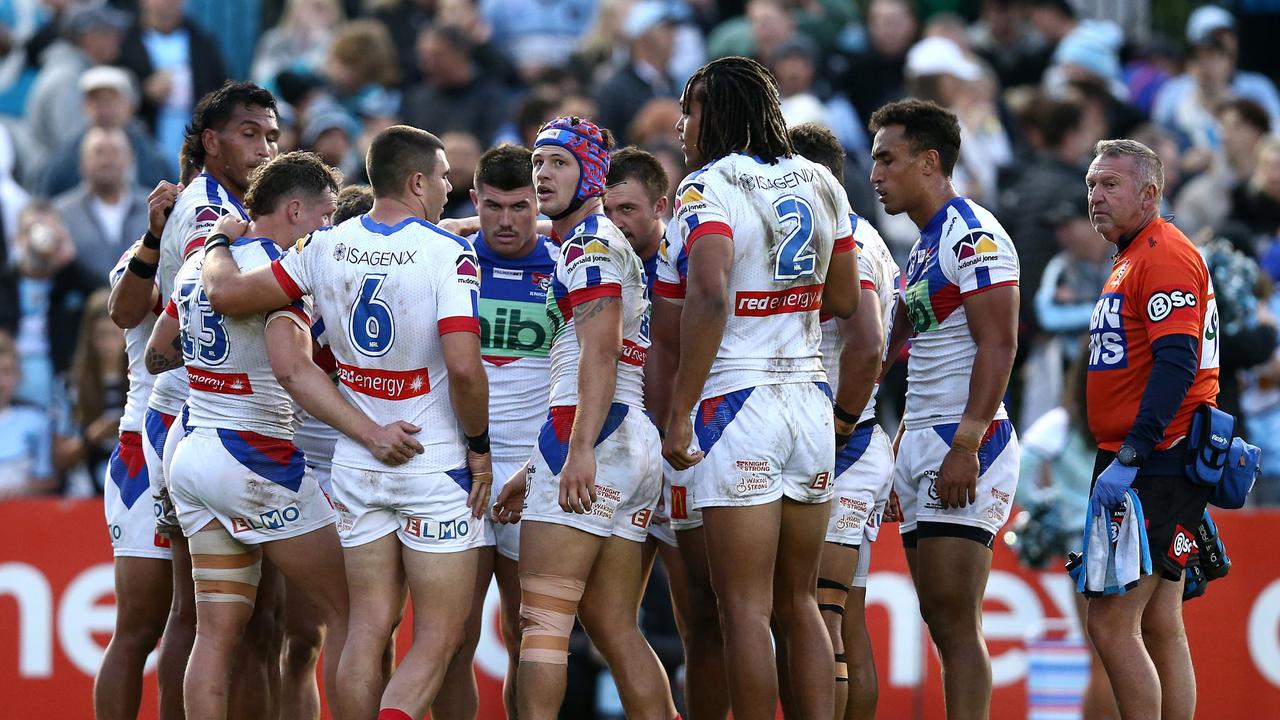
(338, 403)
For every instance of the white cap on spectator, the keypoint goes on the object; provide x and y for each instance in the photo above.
(106, 77)
(1206, 20)
(940, 56)
(648, 14)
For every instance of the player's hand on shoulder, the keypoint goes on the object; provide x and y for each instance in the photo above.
(677, 443)
(394, 443)
(578, 482)
(159, 204)
(510, 503)
(958, 479)
(231, 226)
(481, 467)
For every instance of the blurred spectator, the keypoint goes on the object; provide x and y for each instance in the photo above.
(650, 28)
(876, 76)
(672, 159)
(453, 94)
(656, 122)
(1177, 164)
(110, 102)
(463, 150)
(577, 105)
(604, 45)
(1003, 37)
(536, 34)
(1053, 173)
(1255, 201)
(26, 445)
(298, 43)
(362, 71)
(1150, 66)
(41, 295)
(178, 64)
(1053, 20)
(330, 132)
(1113, 116)
(107, 212)
(758, 33)
(1206, 200)
(98, 383)
(805, 98)
(1213, 28)
(13, 198)
(1090, 52)
(938, 70)
(1074, 277)
(1191, 113)
(26, 32)
(93, 37)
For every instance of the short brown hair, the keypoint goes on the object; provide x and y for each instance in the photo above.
(632, 163)
(926, 126)
(506, 167)
(397, 153)
(293, 173)
(818, 144)
(353, 200)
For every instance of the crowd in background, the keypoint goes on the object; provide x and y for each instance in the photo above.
(95, 96)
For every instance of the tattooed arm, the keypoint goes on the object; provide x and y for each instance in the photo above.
(598, 325)
(164, 349)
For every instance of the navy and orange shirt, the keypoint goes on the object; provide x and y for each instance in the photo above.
(1159, 287)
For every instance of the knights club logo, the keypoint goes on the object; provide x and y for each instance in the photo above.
(209, 213)
(975, 244)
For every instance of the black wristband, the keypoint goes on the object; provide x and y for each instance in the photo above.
(149, 241)
(216, 241)
(144, 270)
(843, 415)
(479, 444)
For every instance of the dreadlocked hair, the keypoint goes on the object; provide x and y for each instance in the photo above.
(740, 110)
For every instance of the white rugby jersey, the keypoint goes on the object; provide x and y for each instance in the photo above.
(596, 260)
(135, 345)
(878, 272)
(229, 371)
(515, 339)
(963, 250)
(785, 220)
(194, 213)
(387, 294)
(314, 437)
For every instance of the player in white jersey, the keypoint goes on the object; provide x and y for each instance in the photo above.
(143, 578)
(239, 484)
(852, 352)
(766, 241)
(594, 478)
(957, 463)
(233, 131)
(636, 201)
(399, 297)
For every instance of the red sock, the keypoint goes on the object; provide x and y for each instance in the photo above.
(393, 714)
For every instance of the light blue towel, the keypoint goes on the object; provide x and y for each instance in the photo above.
(1115, 555)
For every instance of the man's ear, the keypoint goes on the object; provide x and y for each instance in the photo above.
(212, 144)
(660, 207)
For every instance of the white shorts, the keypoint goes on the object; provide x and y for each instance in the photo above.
(628, 474)
(156, 427)
(427, 511)
(257, 487)
(660, 527)
(684, 516)
(130, 509)
(864, 565)
(503, 536)
(864, 475)
(324, 477)
(915, 472)
(762, 443)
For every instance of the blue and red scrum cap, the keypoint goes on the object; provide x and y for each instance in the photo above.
(584, 140)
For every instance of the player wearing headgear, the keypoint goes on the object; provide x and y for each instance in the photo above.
(957, 464)
(516, 264)
(143, 577)
(764, 241)
(233, 131)
(399, 296)
(594, 478)
(238, 483)
(852, 352)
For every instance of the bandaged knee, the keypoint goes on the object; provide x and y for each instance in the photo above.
(547, 606)
(842, 669)
(832, 596)
(224, 569)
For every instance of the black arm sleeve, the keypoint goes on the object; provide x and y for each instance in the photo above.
(1174, 362)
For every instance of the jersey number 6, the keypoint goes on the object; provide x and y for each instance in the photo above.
(372, 328)
(796, 258)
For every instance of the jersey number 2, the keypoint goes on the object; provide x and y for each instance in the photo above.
(372, 328)
(796, 258)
